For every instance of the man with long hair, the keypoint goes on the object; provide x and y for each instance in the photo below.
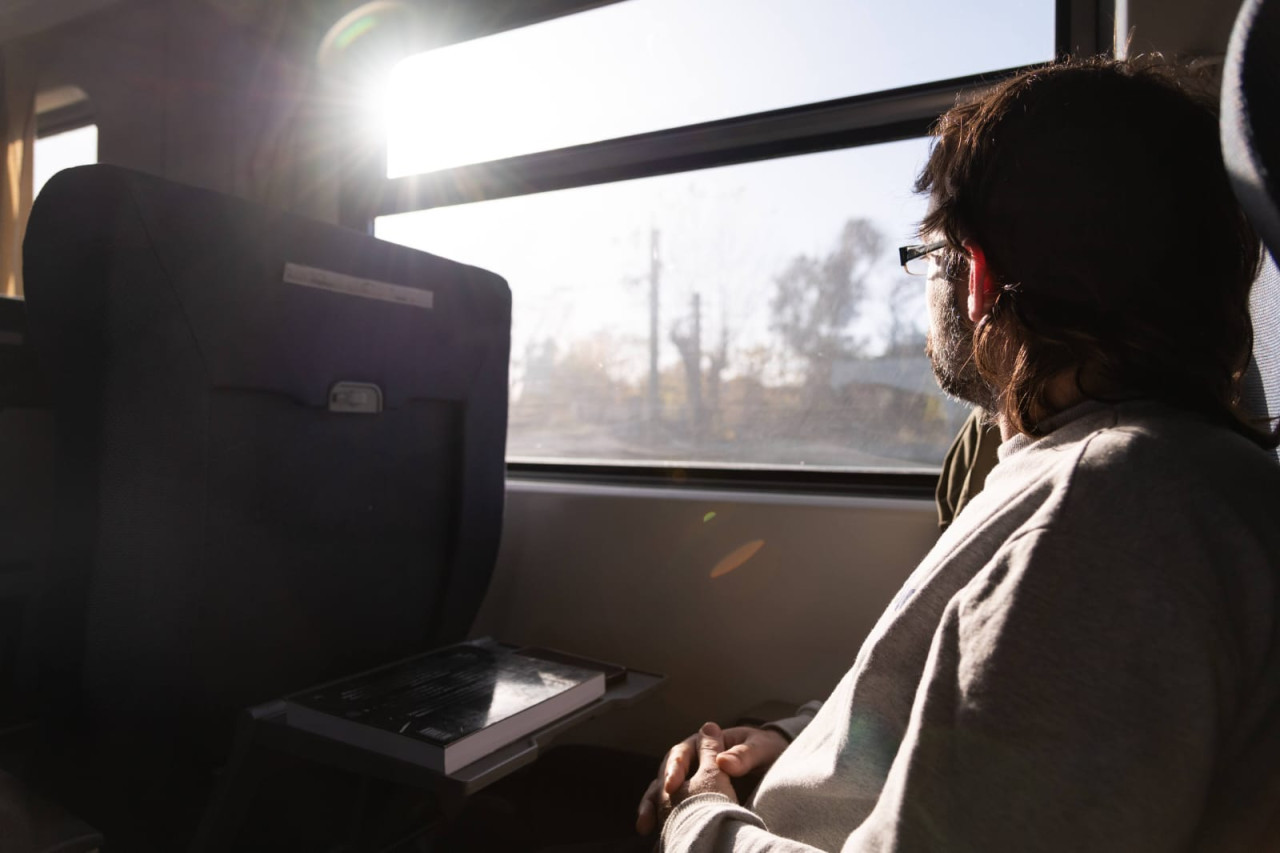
(1089, 658)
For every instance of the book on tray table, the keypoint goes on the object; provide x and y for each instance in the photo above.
(450, 707)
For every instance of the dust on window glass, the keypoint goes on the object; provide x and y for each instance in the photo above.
(786, 332)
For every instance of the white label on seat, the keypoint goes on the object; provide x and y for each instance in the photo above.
(352, 286)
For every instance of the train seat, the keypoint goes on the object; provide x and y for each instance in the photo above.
(26, 504)
(1251, 148)
(280, 456)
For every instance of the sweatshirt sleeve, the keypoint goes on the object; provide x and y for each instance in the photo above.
(1069, 703)
(790, 727)
(712, 823)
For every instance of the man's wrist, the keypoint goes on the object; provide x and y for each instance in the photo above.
(710, 803)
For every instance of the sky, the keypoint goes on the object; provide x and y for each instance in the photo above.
(640, 65)
(578, 260)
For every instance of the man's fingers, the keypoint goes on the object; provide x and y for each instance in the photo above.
(736, 735)
(676, 768)
(647, 814)
(760, 749)
(737, 760)
(710, 744)
(675, 771)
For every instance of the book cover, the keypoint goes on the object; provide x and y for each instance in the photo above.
(450, 707)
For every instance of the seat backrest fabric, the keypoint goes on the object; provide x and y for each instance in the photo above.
(223, 536)
(26, 507)
(1250, 118)
(1261, 391)
(1250, 123)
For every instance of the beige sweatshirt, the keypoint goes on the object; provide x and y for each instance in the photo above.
(1088, 660)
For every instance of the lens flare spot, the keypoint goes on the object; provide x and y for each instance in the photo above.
(370, 29)
(352, 33)
(708, 517)
(737, 557)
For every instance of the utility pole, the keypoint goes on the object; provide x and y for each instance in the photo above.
(695, 374)
(655, 276)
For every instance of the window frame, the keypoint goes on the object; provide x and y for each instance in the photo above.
(1082, 27)
(69, 116)
(64, 119)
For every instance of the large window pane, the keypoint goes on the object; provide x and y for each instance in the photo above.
(787, 334)
(60, 151)
(644, 65)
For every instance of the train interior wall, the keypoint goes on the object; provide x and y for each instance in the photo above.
(225, 95)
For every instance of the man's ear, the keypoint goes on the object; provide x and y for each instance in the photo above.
(982, 285)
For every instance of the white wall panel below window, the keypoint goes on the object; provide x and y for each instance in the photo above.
(625, 574)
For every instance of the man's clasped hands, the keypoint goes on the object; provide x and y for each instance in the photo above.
(706, 763)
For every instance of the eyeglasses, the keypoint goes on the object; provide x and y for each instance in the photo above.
(953, 263)
(915, 259)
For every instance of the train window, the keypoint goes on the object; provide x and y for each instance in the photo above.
(645, 65)
(59, 151)
(787, 333)
(66, 135)
(697, 205)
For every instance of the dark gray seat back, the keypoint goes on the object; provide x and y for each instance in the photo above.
(26, 506)
(1261, 390)
(228, 530)
(1251, 148)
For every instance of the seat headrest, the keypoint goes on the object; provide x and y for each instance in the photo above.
(1251, 115)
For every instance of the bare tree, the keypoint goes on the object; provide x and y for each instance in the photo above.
(906, 316)
(815, 300)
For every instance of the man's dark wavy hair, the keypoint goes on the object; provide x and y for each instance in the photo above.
(1097, 190)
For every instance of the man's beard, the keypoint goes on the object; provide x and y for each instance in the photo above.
(949, 346)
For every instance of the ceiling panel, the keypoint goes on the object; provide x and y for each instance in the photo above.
(19, 18)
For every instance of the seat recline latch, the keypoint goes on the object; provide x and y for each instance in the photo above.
(355, 398)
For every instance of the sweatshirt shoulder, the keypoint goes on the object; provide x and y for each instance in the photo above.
(1152, 480)
(1168, 456)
